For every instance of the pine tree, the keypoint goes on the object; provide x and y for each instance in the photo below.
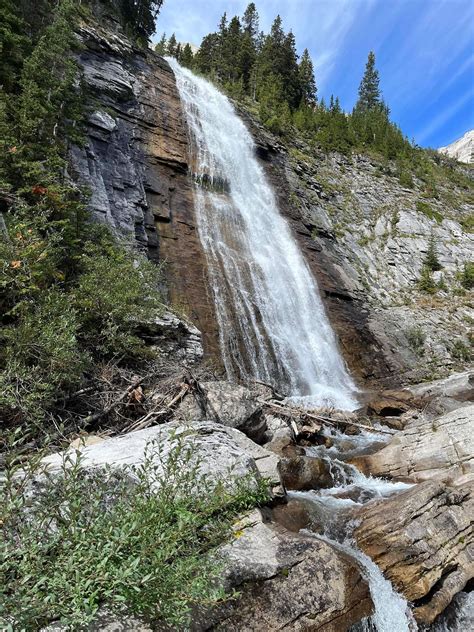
(431, 260)
(187, 56)
(306, 79)
(206, 56)
(172, 45)
(369, 90)
(250, 21)
(161, 47)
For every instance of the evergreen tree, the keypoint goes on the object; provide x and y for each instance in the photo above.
(14, 44)
(187, 56)
(250, 21)
(369, 90)
(431, 260)
(306, 79)
(141, 15)
(172, 45)
(206, 56)
(161, 47)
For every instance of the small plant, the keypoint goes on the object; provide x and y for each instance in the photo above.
(461, 351)
(416, 338)
(467, 275)
(426, 282)
(428, 211)
(139, 540)
(431, 260)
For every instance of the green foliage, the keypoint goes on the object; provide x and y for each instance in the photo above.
(461, 351)
(426, 282)
(416, 338)
(426, 209)
(467, 223)
(431, 260)
(115, 290)
(139, 16)
(138, 540)
(467, 276)
(40, 358)
(369, 91)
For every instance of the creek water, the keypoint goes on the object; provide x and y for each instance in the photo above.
(272, 322)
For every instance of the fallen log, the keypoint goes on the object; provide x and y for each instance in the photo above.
(299, 412)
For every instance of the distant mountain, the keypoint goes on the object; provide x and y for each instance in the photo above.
(462, 149)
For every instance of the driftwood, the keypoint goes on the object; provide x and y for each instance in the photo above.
(291, 413)
(87, 421)
(152, 416)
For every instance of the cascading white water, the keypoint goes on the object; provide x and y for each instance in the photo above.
(271, 319)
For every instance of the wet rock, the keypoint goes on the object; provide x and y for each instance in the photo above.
(441, 448)
(304, 473)
(423, 541)
(290, 582)
(458, 616)
(293, 515)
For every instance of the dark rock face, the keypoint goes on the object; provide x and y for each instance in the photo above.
(134, 163)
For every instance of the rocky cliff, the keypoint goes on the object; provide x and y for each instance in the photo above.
(364, 235)
(461, 149)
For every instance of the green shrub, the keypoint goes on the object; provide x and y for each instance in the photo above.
(116, 289)
(461, 351)
(428, 211)
(416, 339)
(467, 223)
(426, 282)
(467, 276)
(40, 359)
(139, 540)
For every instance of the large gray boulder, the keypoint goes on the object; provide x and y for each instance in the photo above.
(441, 448)
(222, 454)
(230, 404)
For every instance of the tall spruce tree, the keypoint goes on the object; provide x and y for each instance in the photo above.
(306, 79)
(369, 89)
(172, 46)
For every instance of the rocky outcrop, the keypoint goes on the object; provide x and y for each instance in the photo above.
(423, 540)
(173, 337)
(220, 454)
(461, 149)
(290, 582)
(230, 404)
(134, 163)
(441, 448)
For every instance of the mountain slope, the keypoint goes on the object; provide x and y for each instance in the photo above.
(461, 149)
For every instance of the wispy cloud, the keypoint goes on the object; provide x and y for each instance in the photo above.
(438, 121)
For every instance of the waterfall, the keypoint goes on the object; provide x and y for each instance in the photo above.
(272, 323)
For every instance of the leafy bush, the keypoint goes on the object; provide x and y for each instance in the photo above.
(116, 289)
(139, 540)
(40, 357)
(461, 351)
(416, 339)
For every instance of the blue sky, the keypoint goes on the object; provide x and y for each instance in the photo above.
(424, 51)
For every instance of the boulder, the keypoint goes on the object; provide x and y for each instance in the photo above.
(289, 582)
(305, 472)
(173, 336)
(441, 448)
(423, 541)
(221, 453)
(227, 403)
(391, 403)
(442, 396)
